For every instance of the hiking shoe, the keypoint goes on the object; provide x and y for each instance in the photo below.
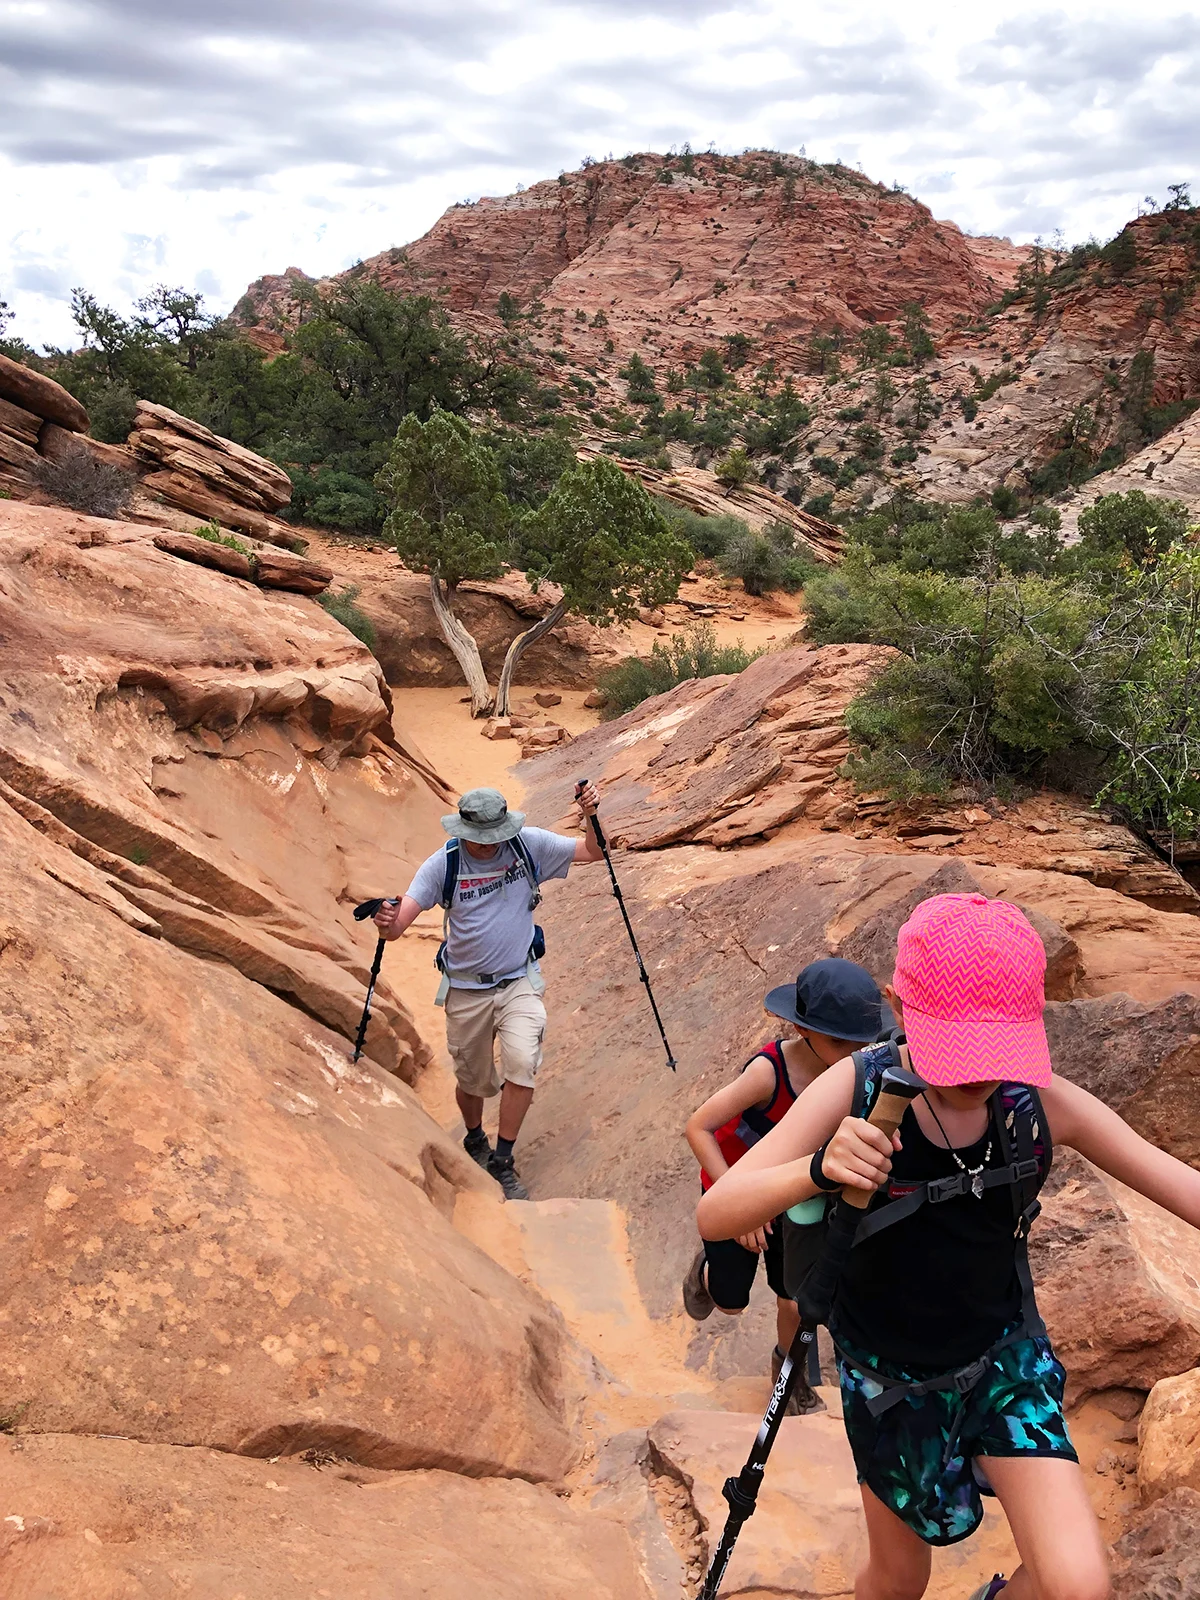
(477, 1147)
(804, 1402)
(989, 1591)
(505, 1174)
(697, 1301)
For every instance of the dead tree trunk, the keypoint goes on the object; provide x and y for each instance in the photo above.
(461, 642)
(518, 648)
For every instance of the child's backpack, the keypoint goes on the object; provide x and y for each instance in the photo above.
(1019, 1123)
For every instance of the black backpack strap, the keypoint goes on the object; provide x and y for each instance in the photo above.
(1022, 1173)
(450, 879)
(525, 856)
(1021, 1128)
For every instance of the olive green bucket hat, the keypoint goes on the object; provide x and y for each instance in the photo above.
(483, 817)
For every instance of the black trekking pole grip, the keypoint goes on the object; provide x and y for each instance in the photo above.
(594, 819)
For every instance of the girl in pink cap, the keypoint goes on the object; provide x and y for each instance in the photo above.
(950, 1387)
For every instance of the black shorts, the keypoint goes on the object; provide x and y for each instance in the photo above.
(731, 1269)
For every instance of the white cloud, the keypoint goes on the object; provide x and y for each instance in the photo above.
(208, 141)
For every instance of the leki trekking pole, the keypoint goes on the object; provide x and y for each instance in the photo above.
(813, 1301)
(361, 913)
(642, 973)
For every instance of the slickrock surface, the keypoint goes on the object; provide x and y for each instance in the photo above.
(116, 1521)
(807, 1535)
(1078, 353)
(1170, 468)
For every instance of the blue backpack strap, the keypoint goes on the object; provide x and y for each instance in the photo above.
(870, 1064)
(450, 880)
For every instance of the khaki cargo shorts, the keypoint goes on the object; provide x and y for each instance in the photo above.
(476, 1018)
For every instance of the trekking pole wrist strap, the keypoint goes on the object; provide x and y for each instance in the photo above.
(816, 1171)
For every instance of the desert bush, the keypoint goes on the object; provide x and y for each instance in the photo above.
(343, 608)
(1133, 527)
(709, 537)
(84, 483)
(1082, 675)
(756, 560)
(216, 534)
(693, 654)
(735, 469)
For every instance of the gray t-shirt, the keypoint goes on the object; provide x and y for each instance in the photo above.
(491, 922)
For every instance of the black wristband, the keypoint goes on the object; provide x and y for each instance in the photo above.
(818, 1176)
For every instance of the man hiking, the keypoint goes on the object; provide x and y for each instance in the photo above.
(950, 1387)
(833, 1006)
(486, 880)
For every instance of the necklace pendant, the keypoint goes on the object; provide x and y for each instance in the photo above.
(977, 1185)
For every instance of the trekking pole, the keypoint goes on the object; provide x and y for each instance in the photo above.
(361, 913)
(813, 1300)
(642, 973)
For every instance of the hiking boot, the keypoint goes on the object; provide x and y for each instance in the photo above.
(989, 1591)
(804, 1402)
(505, 1174)
(697, 1301)
(477, 1147)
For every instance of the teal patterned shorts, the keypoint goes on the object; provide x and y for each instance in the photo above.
(1016, 1409)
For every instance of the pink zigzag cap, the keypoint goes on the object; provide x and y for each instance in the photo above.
(971, 973)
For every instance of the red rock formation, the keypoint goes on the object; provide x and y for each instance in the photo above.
(771, 247)
(1074, 352)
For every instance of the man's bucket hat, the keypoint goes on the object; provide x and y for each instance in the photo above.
(483, 817)
(835, 997)
(972, 975)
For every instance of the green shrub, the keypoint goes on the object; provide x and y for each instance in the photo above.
(341, 606)
(709, 537)
(216, 534)
(1005, 501)
(1133, 527)
(819, 505)
(693, 654)
(756, 560)
(796, 571)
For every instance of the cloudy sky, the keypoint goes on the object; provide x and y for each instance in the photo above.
(204, 142)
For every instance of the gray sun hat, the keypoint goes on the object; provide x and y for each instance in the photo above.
(483, 817)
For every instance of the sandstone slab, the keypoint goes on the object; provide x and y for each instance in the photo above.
(220, 1230)
(119, 1521)
(1169, 1437)
(274, 569)
(1158, 1557)
(34, 392)
(1118, 1281)
(205, 553)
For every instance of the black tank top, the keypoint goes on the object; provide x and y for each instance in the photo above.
(936, 1289)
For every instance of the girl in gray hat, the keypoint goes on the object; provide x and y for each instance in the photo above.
(486, 880)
